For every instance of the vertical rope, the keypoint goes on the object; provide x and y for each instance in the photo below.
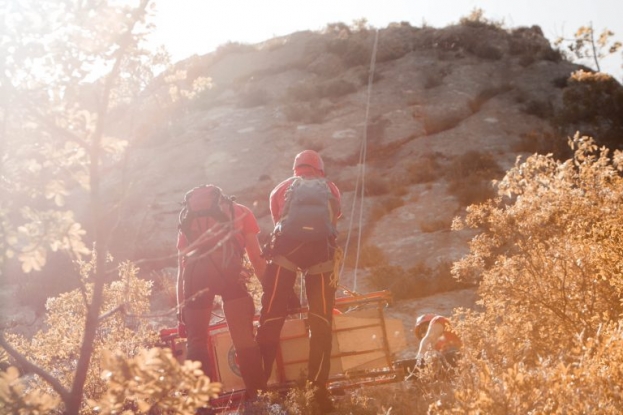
(362, 166)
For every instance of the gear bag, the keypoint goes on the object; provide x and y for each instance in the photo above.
(308, 211)
(207, 222)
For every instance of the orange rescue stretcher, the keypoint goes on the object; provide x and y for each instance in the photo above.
(365, 344)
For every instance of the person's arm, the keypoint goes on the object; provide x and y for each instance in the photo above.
(434, 332)
(254, 252)
(337, 205)
(250, 229)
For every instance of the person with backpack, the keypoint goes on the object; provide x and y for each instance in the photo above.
(434, 332)
(304, 209)
(214, 234)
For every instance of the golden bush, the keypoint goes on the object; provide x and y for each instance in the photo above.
(548, 262)
(125, 372)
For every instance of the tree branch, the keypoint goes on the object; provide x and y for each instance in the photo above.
(31, 367)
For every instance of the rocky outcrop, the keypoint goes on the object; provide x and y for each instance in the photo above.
(436, 95)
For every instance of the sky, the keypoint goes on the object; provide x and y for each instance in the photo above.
(188, 27)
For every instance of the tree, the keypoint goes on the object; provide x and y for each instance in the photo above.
(584, 45)
(64, 67)
(593, 103)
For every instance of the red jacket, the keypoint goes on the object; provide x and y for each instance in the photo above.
(448, 340)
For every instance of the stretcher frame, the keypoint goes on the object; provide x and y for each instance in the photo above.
(365, 309)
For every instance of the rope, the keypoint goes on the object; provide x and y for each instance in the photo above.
(338, 258)
(362, 168)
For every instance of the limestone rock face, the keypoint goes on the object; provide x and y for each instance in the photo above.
(436, 95)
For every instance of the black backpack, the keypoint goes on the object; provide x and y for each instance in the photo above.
(206, 220)
(308, 211)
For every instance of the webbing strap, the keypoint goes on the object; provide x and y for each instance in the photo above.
(321, 268)
(285, 263)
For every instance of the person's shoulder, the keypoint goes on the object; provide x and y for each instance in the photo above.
(440, 319)
(284, 184)
(242, 209)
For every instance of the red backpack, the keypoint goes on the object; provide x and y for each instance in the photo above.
(207, 222)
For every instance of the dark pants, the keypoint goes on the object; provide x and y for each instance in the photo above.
(277, 285)
(203, 279)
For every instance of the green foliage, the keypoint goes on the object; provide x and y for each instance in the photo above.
(353, 48)
(370, 256)
(470, 177)
(543, 142)
(476, 18)
(416, 282)
(435, 225)
(230, 48)
(593, 102)
(425, 169)
(310, 91)
(313, 112)
(530, 45)
(435, 75)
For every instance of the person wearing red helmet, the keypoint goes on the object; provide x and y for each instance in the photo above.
(435, 333)
(313, 256)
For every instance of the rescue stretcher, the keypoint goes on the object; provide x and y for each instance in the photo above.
(365, 344)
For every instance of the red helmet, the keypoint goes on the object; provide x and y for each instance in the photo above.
(421, 324)
(308, 158)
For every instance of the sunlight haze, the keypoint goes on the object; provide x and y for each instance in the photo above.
(188, 27)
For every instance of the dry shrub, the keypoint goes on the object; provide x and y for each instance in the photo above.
(122, 353)
(549, 338)
(543, 142)
(539, 108)
(385, 206)
(475, 188)
(415, 282)
(425, 169)
(593, 102)
(313, 112)
(469, 177)
(310, 91)
(369, 256)
(434, 76)
(354, 49)
(434, 225)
